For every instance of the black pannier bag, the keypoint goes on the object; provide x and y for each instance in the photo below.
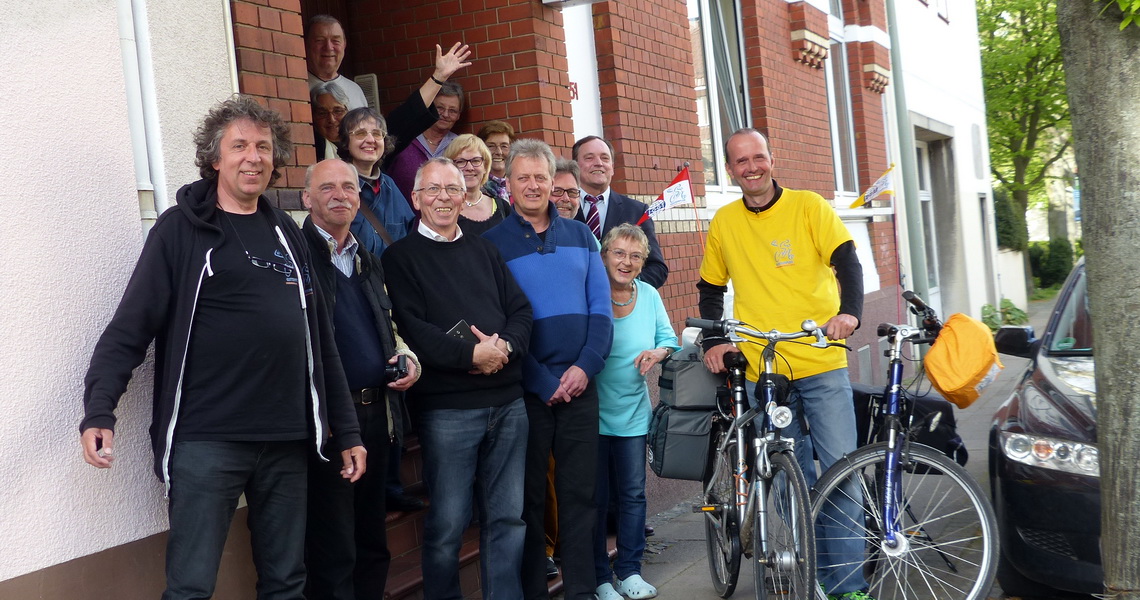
(686, 383)
(929, 417)
(679, 441)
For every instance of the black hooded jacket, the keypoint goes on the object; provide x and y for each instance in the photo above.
(159, 305)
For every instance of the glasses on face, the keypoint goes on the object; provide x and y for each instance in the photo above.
(571, 192)
(433, 191)
(633, 257)
(360, 134)
(463, 162)
(285, 269)
(447, 112)
(504, 148)
(337, 112)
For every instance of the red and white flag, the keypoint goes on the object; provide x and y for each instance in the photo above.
(679, 192)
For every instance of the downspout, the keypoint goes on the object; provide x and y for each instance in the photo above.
(149, 104)
(916, 237)
(128, 49)
(231, 51)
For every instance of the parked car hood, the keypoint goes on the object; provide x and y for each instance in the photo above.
(1065, 406)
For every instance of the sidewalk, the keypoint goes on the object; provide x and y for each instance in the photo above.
(675, 559)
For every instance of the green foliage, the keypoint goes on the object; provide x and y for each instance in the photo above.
(1027, 110)
(1037, 252)
(1078, 248)
(1131, 10)
(1009, 314)
(1010, 222)
(1044, 293)
(1057, 263)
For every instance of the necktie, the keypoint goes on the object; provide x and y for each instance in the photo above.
(593, 219)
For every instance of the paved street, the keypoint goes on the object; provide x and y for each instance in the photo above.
(675, 561)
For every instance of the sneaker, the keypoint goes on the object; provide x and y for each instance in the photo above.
(606, 591)
(856, 595)
(636, 588)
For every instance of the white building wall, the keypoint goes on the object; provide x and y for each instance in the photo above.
(72, 236)
(943, 79)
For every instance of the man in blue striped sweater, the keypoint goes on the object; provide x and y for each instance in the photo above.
(556, 262)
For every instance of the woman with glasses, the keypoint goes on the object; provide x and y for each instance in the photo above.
(643, 337)
(479, 212)
(498, 135)
(330, 104)
(364, 141)
(431, 143)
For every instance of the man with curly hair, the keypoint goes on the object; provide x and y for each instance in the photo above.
(247, 377)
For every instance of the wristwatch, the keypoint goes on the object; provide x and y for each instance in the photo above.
(510, 348)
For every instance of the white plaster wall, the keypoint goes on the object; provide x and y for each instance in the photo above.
(72, 235)
(1011, 278)
(943, 78)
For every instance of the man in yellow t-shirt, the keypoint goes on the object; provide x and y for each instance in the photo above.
(778, 247)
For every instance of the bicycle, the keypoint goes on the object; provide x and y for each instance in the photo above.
(754, 481)
(928, 530)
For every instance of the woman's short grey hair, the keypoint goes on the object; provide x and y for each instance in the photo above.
(452, 89)
(208, 137)
(563, 165)
(530, 148)
(330, 88)
(626, 231)
(352, 121)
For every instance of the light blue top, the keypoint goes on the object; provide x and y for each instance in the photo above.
(623, 406)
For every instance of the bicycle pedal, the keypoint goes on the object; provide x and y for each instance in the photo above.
(706, 508)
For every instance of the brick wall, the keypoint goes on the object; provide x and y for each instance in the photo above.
(271, 66)
(649, 114)
(518, 72)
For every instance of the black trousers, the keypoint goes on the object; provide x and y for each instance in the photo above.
(570, 430)
(346, 544)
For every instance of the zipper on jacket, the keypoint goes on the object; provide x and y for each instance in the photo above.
(318, 426)
(207, 271)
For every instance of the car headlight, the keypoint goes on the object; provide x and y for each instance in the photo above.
(1051, 453)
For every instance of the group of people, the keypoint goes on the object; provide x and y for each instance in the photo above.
(508, 300)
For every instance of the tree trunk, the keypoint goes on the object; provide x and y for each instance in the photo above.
(1102, 66)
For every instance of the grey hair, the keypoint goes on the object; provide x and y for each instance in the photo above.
(208, 137)
(563, 165)
(626, 231)
(437, 160)
(323, 19)
(452, 89)
(330, 88)
(312, 167)
(530, 148)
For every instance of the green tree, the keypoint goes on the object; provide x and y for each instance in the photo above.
(1102, 64)
(1026, 107)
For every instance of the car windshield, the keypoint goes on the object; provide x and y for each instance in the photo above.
(1074, 334)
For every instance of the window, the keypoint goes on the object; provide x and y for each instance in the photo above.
(840, 112)
(722, 99)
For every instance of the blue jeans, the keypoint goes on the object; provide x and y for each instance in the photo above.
(825, 402)
(621, 460)
(206, 479)
(484, 450)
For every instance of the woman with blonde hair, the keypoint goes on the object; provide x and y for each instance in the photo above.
(480, 212)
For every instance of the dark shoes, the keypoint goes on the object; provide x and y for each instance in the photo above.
(551, 568)
(405, 503)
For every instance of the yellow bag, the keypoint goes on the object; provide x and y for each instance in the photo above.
(963, 360)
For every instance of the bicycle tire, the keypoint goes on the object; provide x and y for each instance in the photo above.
(788, 563)
(722, 536)
(949, 548)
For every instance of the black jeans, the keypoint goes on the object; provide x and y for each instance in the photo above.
(571, 431)
(346, 545)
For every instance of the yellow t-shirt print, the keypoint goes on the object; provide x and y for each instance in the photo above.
(784, 255)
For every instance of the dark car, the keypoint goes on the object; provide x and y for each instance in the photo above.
(1044, 462)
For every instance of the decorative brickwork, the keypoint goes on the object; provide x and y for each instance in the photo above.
(809, 34)
(271, 66)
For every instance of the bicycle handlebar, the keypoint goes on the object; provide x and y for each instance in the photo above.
(733, 329)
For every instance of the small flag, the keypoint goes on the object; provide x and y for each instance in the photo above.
(881, 186)
(680, 191)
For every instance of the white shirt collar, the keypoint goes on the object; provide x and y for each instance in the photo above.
(430, 234)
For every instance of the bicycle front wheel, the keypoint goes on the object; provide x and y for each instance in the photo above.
(722, 534)
(946, 546)
(785, 556)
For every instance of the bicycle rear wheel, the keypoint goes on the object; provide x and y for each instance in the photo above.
(947, 545)
(785, 558)
(722, 534)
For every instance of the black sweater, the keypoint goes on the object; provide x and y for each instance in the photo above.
(433, 286)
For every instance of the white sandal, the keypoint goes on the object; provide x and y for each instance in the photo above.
(636, 588)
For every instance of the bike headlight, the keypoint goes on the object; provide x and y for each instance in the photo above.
(1051, 453)
(781, 416)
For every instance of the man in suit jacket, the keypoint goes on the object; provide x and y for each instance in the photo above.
(595, 158)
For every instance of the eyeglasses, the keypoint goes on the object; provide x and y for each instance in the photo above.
(261, 263)
(572, 192)
(360, 134)
(336, 112)
(463, 162)
(433, 191)
(447, 112)
(504, 148)
(633, 257)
